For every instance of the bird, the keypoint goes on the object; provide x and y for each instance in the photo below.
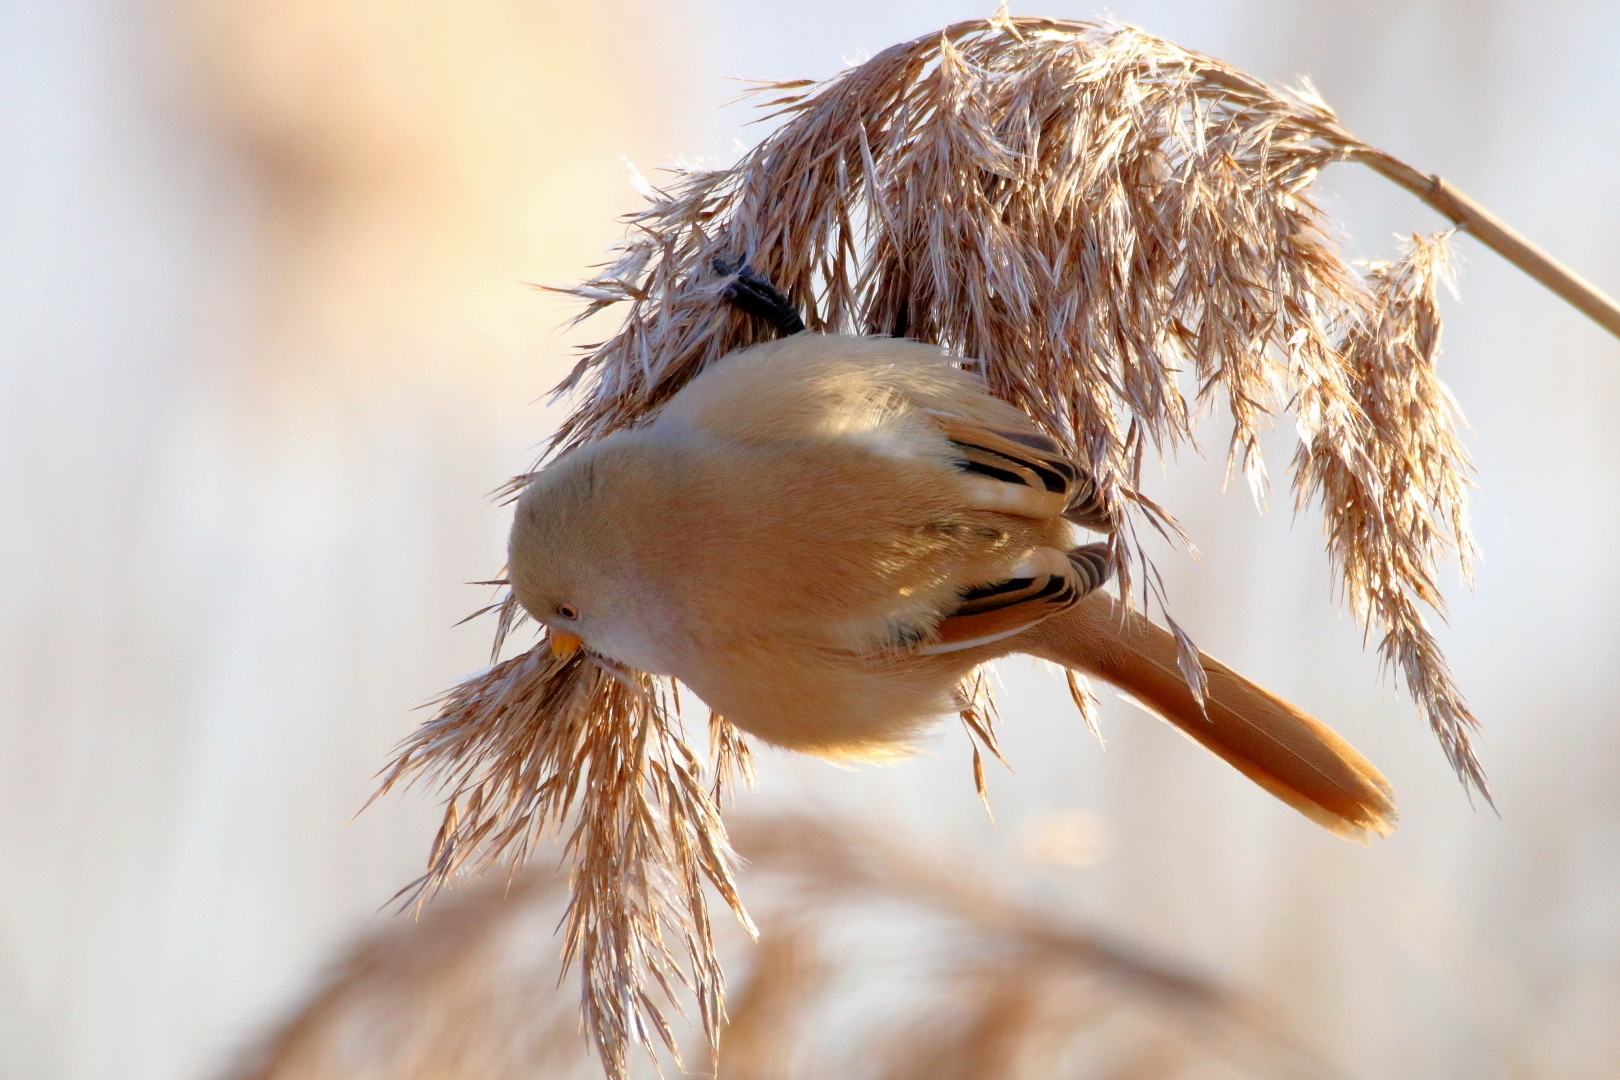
(824, 535)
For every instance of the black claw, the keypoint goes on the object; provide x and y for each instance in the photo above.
(753, 293)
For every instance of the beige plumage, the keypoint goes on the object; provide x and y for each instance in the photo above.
(822, 536)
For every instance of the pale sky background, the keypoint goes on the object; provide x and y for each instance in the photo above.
(265, 344)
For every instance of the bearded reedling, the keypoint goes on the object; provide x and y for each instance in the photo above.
(824, 535)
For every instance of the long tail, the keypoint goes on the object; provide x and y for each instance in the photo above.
(1289, 753)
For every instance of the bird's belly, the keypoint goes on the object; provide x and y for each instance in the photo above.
(837, 706)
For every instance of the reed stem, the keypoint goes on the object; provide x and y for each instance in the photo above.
(1496, 235)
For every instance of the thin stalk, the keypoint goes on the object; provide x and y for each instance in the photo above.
(1496, 235)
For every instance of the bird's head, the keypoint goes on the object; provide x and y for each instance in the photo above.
(570, 562)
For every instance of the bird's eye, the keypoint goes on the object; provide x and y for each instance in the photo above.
(567, 611)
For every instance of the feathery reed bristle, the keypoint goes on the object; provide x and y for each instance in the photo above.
(530, 739)
(1116, 229)
(1385, 541)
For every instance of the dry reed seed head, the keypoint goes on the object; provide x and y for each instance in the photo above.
(537, 740)
(1096, 216)
(733, 759)
(977, 711)
(1386, 543)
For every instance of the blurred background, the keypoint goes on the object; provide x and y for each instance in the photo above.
(267, 339)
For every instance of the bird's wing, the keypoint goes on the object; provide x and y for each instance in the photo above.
(1019, 470)
(1045, 583)
(895, 398)
(1283, 749)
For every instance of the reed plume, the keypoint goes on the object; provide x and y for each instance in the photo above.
(1119, 232)
(531, 739)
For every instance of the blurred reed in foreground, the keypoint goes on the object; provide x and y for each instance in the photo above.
(874, 961)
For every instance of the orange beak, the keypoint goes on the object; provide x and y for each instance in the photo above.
(564, 644)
